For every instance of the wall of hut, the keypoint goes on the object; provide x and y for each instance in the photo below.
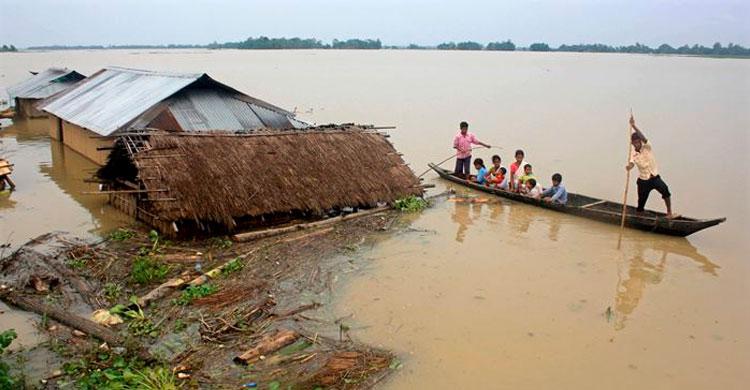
(25, 108)
(83, 141)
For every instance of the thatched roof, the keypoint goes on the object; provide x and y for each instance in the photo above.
(218, 178)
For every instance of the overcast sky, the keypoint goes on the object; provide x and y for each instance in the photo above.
(617, 22)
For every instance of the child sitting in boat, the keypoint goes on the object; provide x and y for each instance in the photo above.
(557, 193)
(532, 189)
(481, 176)
(500, 180)
(528, 174)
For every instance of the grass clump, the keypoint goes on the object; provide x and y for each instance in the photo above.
(232, 266)
(121, 235)
(6, 381)
(411, 204)
(147, 269)
(107, 371)
(138, 323)
(194, 292)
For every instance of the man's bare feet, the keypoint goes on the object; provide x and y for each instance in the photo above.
(673, 216)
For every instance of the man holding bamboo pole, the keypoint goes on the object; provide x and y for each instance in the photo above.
(648, 171)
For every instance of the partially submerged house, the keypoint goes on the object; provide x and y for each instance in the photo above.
(187, 183)
(26, 94)
(113, 101)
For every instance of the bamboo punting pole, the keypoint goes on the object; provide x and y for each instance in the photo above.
(451, 156)
(627, 185)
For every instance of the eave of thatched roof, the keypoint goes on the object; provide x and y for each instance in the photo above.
(219, 178)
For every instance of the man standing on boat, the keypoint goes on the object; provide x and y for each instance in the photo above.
(648, 172)
(462, 143)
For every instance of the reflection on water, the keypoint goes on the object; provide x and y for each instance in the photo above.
(50, 181)
(646, 266)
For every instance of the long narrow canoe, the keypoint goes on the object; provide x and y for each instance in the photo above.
(600, 210)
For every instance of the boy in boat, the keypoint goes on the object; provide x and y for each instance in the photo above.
(481, 177)
(532, 189)
(557, 193)
(462, 143)
(527, 175)
(515, 174)
(648, 172)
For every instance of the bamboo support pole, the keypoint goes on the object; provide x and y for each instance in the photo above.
(242, 237)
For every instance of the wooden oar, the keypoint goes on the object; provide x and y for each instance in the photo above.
(454, 155)
(627, 185)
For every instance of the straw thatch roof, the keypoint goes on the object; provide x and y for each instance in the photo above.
(220, 178)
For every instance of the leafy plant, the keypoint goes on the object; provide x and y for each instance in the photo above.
(7, 337)
(233, 265)
(138, 323)
(121, 235)
(6, 381)
(106, 371)
(112, 291)
(220, 242)
(411, 204)
(77, 262)
(157, 378)
(146, 269)
(195, 292)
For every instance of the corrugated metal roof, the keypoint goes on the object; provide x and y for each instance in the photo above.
(201, 109)
(116, 98)
(113, 97)
(45, 84)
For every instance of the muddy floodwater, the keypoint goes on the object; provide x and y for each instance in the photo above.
(494, 294)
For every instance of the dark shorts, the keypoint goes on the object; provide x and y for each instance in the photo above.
(463, 167)
(646, 186)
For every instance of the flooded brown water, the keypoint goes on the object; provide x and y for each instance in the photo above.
(499, 295)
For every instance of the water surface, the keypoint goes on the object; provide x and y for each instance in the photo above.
(498, 295)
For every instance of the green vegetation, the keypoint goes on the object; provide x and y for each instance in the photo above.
(232, 266)
(266, 43)
(411, 204)
(539, 47)
(147, 269)
(112, 291)
(121, 235)
(6, 48)
(138, 323)
(220, 242)
(146, 266)
(107, 371)
(78, 262)
(357, 44)
(6, 381)
(469, 45)
(717, 50)
(195, 292)
(501, 46)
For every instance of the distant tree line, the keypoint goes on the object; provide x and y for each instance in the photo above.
(297, 43)
(6, 48)
(99, 47)
(262, 42)
(716, 50)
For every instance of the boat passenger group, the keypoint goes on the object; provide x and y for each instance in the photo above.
(520, 178)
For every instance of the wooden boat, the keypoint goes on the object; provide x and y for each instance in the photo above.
(599, 209)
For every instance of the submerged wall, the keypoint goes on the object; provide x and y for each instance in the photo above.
(83, 141)
(25, 108)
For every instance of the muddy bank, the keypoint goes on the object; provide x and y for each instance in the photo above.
(262, 318)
